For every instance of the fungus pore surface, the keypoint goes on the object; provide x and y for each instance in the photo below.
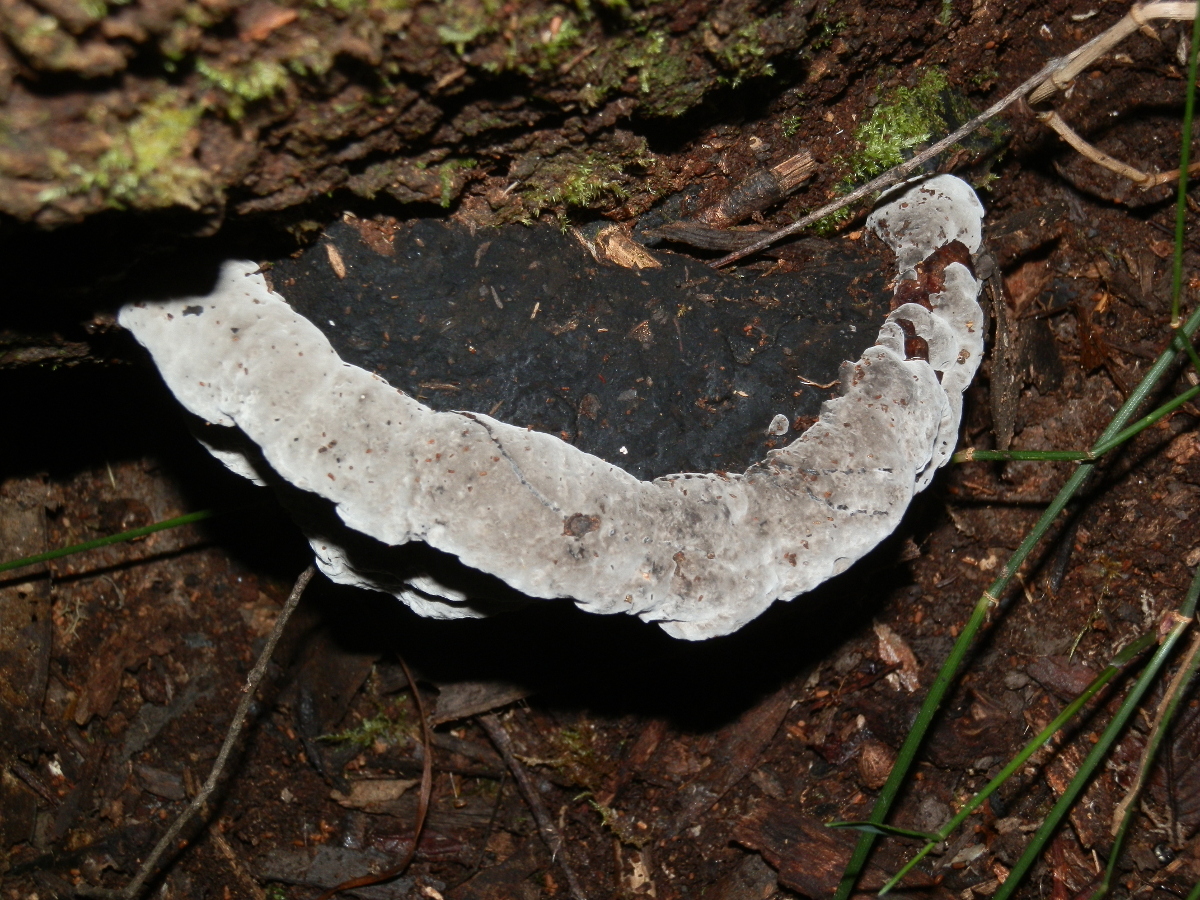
(700, 554)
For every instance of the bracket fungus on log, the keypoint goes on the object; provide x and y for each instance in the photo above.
(700, 554)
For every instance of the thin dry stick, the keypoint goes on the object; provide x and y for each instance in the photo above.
(487, 835)
(1144, 180)
(893, 176)
(239, 869)
(134, 888)
(550, 833)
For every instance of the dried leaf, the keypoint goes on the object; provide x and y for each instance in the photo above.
(371, 795)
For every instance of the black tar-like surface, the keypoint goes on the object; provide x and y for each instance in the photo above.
(674, 369)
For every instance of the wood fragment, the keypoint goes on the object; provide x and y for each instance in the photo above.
(739, 748)
(335, 260)
(898, 174)
(422, 801)
(546, 827)
(756, 192)
(808, 856)
(167, 841)
(249, 885)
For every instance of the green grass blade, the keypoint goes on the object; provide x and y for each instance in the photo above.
(971, 455)
(1185, 152)
(1179, 690)
(130, 535)
(949, 670)
(1118, 662)
(1146, 421)
(1192, 355)
(885, 830)
(1097, 755)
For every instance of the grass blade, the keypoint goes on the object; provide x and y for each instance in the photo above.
(1175, 694)
(1098, 752)
(1118, 662)
(990, 598)
(130, 535)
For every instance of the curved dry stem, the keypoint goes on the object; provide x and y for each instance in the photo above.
(1144, 180)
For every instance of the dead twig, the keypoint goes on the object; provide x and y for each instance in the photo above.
(817, 384)
(546, 827)
(1055, 75)
(487, 835)
(894, 176)
(1187, 668)
(1081, 58)
(167, 841)
(239, 869)
(1144, 180)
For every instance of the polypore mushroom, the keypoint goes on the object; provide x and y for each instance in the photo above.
(700, 554)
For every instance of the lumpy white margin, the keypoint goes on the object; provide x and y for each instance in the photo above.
(700, 554)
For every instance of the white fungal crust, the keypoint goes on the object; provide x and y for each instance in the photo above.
(919, 219)
(699, 554)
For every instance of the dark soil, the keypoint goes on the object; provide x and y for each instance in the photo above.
(158, 137)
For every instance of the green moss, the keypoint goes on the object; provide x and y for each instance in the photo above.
(620, 825)
(587, 9)
(34, 36)
(674, 73)
(744, 56)
(984, 77)
(552, 53)
(459, 37)
(451, 185)
(540, 42)
(352, 6)
(789, 125)
(904, 119)
(148, 165)
(577, 756)
(563, 179)
(462, 22)
(308, 56)
(985, 181)
(158, 135)
(94, 9)
(825, 26)
(576, 181)
(591, 180)
(250, 83)
(666, 83)
(384, 727)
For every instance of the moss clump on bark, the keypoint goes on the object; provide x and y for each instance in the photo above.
(148, 163)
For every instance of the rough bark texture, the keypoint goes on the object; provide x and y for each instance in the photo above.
(222, 106)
